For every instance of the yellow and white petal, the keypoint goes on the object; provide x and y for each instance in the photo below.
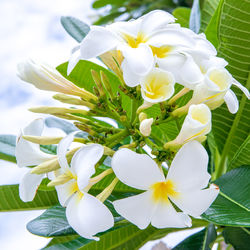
(83, 163)
(155, 20)
(196, 124)
(166, 216)
(137, 209)
(29, 185)
(145, 126)
(140, 59)
(136, 170)
(157, 86)
(231, 101)
(88, 216)
(130, 77)
(196, 202)
(65, 191)
(188, 171)
(98, 41)
(28, 153)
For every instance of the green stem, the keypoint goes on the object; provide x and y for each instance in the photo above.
(223, 166)
(114, 139)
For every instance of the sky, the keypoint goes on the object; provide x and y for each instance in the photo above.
(32, 29)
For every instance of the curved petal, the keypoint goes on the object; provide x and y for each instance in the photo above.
(242, 88)
(83, 163)
(65, 191)
(29, 185)
(188, 170)
(155, 20)
(88, 216)
(74, 59)
(131, 79)
(136, 170)
(140, 59)
(196, 202)
(62, 150)
(98, 41)
(137, 209)
(166, 216)
(145, 126)
(231, 101)
(28, 153)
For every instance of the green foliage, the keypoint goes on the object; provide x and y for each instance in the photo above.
(232, 206)
(65, 126)
(238, 237)
(182, 14)
(7, 147)
(10, 200)
(201, 240)
(75, 27)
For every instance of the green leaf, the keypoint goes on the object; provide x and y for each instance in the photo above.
(182, 14)
(10, 201)
(75, 27)
(241, 156)
(65, 126)
(60, 240)
(7, 147)
(231, 131)
(102, 3)
(232, 206)
(238, 237)
(195, 17)
(200, 240)
(51, 223)
(208, 10)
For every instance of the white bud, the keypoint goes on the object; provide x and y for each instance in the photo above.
(145, 126)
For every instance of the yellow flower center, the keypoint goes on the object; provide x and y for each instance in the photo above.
(199, 115)
(161, 191)
(134, 42)
(161, 52)
(221, 79)
(74, 189)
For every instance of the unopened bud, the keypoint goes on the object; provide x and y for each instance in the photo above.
(145, 126)
(145, 105)
(59, 180)
(142, 116)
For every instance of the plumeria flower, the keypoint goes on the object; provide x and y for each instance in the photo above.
(138, 40)
(215, 90)
(29, 154)
(196, 126)
(45, 77)
(86, 214)
(185, 186)
(145, 126)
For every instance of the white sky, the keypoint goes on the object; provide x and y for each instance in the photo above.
(31, 28)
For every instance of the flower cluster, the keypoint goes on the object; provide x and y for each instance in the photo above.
(156, 62)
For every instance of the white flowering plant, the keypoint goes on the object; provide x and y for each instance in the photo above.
(156, 140)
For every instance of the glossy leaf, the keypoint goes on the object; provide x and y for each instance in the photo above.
(200, 240)
(238, 237)
(10, 201)
(7, 147)
(75, 27)
(182, 14)
(195, 17)
(232, 206)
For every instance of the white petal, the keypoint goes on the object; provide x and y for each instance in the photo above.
(242, 88)
(231, 101)
(155, 20)
(88, 216)
(145, 126)
(174, 37)
(62, 150)
(131, 79)
(28, 153)
(29, 185)
(166, 216)
(137, 209)
(98, 41)
(140, 60)
(196, 202)
(74, 59)
(65, 191)
(136, 170)
(83, 163)
(188, 170)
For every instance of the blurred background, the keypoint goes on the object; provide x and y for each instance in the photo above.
(31, 28)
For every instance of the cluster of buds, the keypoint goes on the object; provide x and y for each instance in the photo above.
(150, 57)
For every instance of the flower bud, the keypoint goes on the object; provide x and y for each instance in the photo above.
(145, 126)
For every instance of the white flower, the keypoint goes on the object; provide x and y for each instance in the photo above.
(45, 77)
(215, 90)
(145, 126)
(29, 154)
(184, 186)
(85, 213)
(196, 125)
(138, 40)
